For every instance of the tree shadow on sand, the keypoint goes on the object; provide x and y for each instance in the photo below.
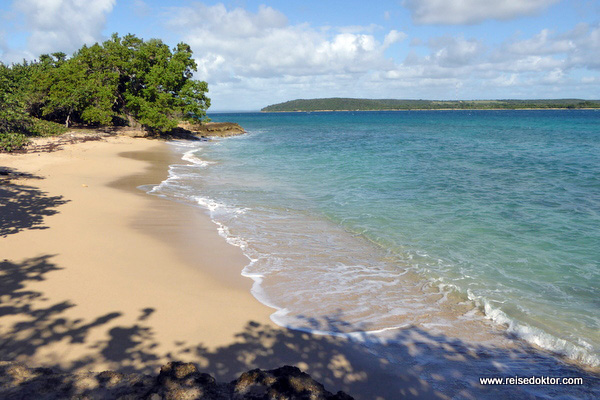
(22, 206)
(407, 363)
(39, 324)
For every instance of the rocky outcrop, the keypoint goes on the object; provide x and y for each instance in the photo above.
(176, 381)
(219, 129)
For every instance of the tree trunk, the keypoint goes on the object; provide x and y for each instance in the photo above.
(68, 119)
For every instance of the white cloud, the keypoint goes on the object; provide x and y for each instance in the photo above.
(587, 46)
(453, 52)
(555, 76)
(506, 80)
(394, 36)
(549, 55)
(252, 59)
(454, 60)
(542, 43)
(448, 56)
(456, 12)
(237, 43)
(63, 25)
(577, 48)
(227, 24)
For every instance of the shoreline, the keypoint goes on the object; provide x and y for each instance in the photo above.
(110, 277)
(97, 275)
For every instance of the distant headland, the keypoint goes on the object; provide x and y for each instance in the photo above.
(351, 104)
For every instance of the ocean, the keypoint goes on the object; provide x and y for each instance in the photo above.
(480, 225)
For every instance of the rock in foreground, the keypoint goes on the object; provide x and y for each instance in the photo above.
(176, 381)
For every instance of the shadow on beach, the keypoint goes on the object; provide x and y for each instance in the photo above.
(410, 363)
(22, 206)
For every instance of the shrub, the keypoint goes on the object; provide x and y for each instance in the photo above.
(11, 141)
(41, 127)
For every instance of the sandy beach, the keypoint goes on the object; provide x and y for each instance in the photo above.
(110, 261)
(97, 274)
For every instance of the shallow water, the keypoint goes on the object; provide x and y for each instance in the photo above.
(445, 221)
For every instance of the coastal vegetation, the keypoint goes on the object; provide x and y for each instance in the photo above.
(123, 81)
(349, 104)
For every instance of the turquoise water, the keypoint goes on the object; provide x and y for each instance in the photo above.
(381, 218)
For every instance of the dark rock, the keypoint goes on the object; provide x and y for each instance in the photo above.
(176, 381)
(281, 384)
(179, 380)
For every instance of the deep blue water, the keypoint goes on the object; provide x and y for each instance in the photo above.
(350, 212)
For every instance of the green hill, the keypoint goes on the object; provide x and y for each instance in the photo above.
(349, 104)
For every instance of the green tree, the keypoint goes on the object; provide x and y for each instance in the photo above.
(144, 82)
(14, 118)
(158, 85)
(13, 113)
(66, 90)
(81, 88)
(101, 85)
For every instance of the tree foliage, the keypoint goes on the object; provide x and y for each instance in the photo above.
(124, 80)
(157, 84)
(13, 114)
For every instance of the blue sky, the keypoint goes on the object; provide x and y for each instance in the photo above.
(256, 53)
